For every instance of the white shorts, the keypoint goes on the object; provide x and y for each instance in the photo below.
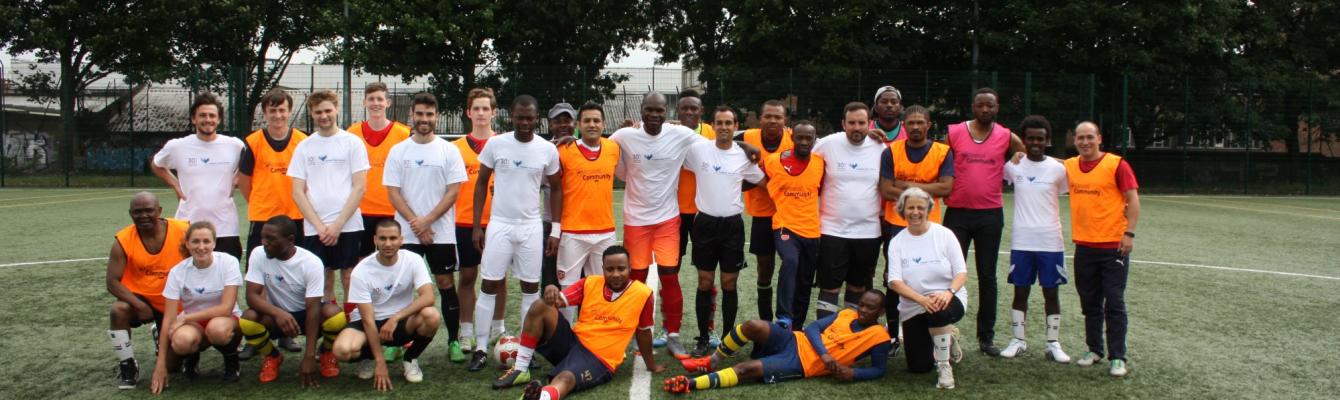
(580, 255)
(515, 247)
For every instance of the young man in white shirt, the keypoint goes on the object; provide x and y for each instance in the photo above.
(329, 172)
(1037, 249)
(849, 211)
(423, 178)
(206, 165)
(285, 284)
(394, 296)
(521, 161)
(723, 172)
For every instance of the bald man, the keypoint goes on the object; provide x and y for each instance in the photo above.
(137, 268)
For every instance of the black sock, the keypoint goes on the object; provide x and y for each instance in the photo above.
(451, 312)
(702, 305)
(229, 350)
(730, 304)
(891, 313)
(420, 343)
(830, 299)
(765, 302)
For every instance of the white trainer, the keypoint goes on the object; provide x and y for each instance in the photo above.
(467, 341)
(1118, 368)
(946, 380)
(412, 372)
(1015, 347)
(1055, 353)
(366, 369)
(1089, 358)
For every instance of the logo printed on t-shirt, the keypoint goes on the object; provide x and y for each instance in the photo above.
(418, 162)
(200, 290)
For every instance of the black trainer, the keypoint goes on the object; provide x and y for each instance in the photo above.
(894, 345)
(532, 390)
(232, 368)
(128, 373)
(478, 361)
(990, 349)
(701, 346)
(190, 366)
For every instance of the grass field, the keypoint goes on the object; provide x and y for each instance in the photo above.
(1229, 297)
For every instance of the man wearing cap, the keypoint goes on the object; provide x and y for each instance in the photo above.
(888, 122)
(562, 121)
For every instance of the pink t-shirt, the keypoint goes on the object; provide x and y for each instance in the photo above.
(979, 168)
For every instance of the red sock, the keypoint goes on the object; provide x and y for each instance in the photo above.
(672, 303)
(348, 308)
(551, 391)
(639, 275)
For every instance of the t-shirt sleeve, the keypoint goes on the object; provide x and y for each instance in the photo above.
(254, 274)
(1062, 179)
(358, 156)
(1010, 172)
(752, 173)
(886, 163)
(420, 270)
(246, 163)
(359, 292)
(1126, 178)
(163, 158)
(297, 166)
(574, 292)
(232, 275)
(947, 167)
(895, 259)
(553, 165)
(455, 167)
(391, 172)
(645, 319)
(315, 275)
(949, 247)
(739, 136)
(691, 159)
(486, 156)
(172, 288)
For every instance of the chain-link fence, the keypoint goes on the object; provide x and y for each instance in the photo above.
(1181, 134)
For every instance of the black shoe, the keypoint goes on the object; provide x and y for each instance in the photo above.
(232, 368)
(701, 346)
(894, 345)
(190, 366)
(990, 349)
(128, 373)
(532, 390)
(478, 361)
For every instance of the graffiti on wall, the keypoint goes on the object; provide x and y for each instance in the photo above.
(27, 151)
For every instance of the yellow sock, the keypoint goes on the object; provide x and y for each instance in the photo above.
(330, 328)
(721, 379)
(732, 343)
(257, 336)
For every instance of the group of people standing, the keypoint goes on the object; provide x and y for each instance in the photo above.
(399, 212)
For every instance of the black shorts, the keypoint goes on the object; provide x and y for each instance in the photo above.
(157, 314)
(466, 254)
(847, 260)
(685, 228)
(566, 353)
(343, 255)
(254, 235)
(231, 245)
(398, 338)
(718, 240)
(365, 244)
(441, 257)
(760, 237)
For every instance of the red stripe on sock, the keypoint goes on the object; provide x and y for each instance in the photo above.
(529, 341)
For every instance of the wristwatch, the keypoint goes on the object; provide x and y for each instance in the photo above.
(1129, 234)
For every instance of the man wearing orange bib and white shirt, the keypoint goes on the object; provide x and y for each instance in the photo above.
(974, 207)
(849, 211)
(517, 162)
(588, 191)
(794, 179)
(264, 166)
(206, 165)
(329, 172)
(1104, 210)
(379, 133)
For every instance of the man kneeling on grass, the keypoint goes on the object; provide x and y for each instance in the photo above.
(613, 309)
(285, 284)
(829, 346)
(383, 288)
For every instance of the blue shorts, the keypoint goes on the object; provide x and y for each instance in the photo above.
(1047, 268)
(568, 354)
(781, 360)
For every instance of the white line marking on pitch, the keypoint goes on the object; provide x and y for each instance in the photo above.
(72, 260)
(641, 386)
(1222, 268)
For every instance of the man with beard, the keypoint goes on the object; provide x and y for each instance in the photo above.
(888, 121)
(849, 211)
(206, 165)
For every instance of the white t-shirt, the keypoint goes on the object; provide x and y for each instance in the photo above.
(650, 165)
(388, 289)
(288, 283)
(202, 288)
(927, 263)
(328, 164)
(422, 172)
(849, 203)
(518, 169)
(205, 171)
(1037, 209)
(719, 174)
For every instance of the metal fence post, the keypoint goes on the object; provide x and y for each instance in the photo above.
(1186, 126)
(132, 136)
(1125, 123)
(4, 128)
(1246, 134)
(1307, 157)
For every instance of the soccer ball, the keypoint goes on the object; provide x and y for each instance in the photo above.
(504, 352)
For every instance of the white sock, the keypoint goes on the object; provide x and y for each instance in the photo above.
(483, 313)
(121, 344)
(498, 327)
(941, 347)
(545, 396)
(527, 299)
(467, 329)
(1017, 323)
(1053, 327)
(523, 357)
(569, 313)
